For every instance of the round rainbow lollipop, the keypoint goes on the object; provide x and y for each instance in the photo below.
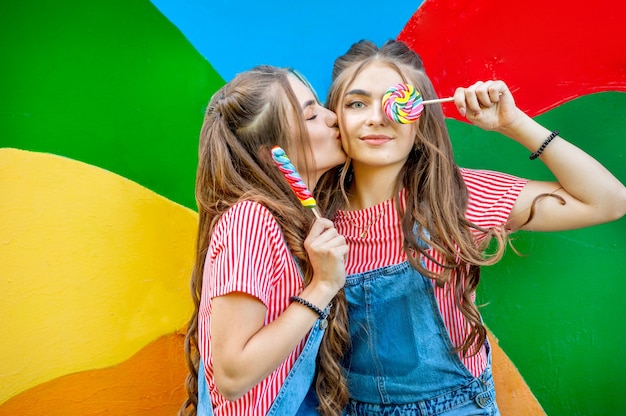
(295, 181)
(403, 103)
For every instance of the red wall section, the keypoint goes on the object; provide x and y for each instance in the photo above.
(548, 52)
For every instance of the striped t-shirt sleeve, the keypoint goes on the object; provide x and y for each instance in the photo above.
(491, 196)
(244, 252)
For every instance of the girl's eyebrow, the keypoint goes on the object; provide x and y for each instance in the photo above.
(358, 92)
(308, 103)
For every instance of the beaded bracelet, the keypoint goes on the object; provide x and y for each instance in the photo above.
(322, 314)
(543, 146)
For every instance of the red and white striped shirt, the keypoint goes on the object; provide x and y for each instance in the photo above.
(491, 199)
(248, 254)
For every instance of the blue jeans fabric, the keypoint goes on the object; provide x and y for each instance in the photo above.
(204, 398)
(297, 395)
(476, 398)
(401, 360)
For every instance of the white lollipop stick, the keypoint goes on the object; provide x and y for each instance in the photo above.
(438, 100)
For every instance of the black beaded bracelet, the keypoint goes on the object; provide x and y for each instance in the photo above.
(322, 314)
(544, 145)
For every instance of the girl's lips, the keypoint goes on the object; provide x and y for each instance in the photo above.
(376, 139)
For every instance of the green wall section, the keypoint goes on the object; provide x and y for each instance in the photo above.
(558, 310)
(108, 82)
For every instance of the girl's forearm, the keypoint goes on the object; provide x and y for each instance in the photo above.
(580, 175)
(238, 369)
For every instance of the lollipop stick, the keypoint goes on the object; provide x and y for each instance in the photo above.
(438, 100)
(317, 214)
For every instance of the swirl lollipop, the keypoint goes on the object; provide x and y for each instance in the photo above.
(295, 181)
(404, 104)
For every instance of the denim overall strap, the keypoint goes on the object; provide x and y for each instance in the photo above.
(400, 349)
(296, 396)
(204, 407)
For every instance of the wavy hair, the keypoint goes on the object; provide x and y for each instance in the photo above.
(244, 120)
(436, 193)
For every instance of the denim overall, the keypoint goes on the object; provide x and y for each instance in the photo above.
(296, 396)
(401, 360)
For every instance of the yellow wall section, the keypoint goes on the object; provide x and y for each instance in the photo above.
(93, 267)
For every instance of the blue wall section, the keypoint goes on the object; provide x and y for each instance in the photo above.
(304, 35)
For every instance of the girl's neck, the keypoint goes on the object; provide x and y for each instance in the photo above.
(371, 186)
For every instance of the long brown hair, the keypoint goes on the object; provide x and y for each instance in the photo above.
(436, 194)
(244, 120)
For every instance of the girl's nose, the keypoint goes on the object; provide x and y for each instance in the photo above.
(376, 115)
(331, 118)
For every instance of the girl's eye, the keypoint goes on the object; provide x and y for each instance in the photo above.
(355, 105)
(313, 117)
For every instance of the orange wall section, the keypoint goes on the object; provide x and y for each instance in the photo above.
(150, 383)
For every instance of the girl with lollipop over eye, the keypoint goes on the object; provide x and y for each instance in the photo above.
(417, 226)
(266, 269)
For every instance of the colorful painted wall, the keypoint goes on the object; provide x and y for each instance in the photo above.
(101, 105)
